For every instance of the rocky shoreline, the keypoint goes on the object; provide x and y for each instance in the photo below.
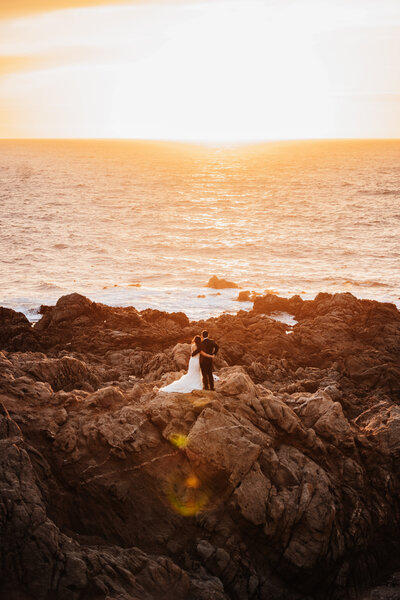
(282, 485)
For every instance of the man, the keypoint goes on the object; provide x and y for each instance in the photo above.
(206, 363)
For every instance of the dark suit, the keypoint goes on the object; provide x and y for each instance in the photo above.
(206, 363)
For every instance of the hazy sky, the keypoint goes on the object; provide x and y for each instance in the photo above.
(200, 70)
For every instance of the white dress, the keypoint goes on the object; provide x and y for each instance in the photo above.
(192, 380)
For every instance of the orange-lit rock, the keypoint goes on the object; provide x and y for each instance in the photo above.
(275, 485)
(220, 284)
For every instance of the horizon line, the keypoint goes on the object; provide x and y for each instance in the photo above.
(199, 142)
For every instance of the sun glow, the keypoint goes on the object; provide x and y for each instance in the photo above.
(238, 70)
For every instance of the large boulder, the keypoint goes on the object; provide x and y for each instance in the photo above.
(64, 373)
(235, 382)
(15, 331)
(319, 412)
(69, 309)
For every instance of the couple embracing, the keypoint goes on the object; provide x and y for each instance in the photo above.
(199, 375)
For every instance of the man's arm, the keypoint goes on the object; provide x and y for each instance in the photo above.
(216, 348)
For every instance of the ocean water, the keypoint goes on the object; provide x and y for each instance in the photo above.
(147, 224)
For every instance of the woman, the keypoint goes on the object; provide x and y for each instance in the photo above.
(192, 380)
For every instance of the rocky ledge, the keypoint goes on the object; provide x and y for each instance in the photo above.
(282, 485)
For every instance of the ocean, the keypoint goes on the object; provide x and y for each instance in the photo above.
(148, 223)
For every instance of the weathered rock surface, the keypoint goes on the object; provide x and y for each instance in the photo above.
(283, 484)
(390, 590)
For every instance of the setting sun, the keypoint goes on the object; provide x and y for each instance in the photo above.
(223, 70)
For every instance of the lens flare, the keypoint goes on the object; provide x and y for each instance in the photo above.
(179, 440)
(192, 481)
(187, 495)
(200, 402)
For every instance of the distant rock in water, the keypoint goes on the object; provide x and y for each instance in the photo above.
(283, 484)
(244, 296)
(220, 284)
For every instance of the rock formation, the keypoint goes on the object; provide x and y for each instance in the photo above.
(244, 296)
(220, 284)
(282, 485)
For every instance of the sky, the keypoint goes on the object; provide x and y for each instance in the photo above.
(220, 70)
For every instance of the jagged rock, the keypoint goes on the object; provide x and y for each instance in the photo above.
(252, 494)
(26, 388)
(69, 308)
(326, 417)
(282, 484)
(15, 331)
(40, 561)
(108, 397)
(181, 355)
(167, 319)
(258, 371)
(220, 440)
(235, 382)
(65, 373)
(383, 426)
(158, 365)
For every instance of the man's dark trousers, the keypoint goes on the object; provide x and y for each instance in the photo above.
(206, 365)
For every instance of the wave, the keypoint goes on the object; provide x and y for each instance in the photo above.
(24, 172)
(379, 192)
(195, 302)
(357, 283)
(390, 192)
(45, 285)
(269, 222)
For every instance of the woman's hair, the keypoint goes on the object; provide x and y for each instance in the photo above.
(197, 340)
